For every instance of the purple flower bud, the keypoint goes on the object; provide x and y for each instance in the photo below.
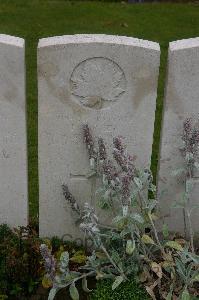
(88, 140)
(49, 261)
(102, 149)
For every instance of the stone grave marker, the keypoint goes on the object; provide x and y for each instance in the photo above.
(13, 146)
(109, 82)
(181, 102)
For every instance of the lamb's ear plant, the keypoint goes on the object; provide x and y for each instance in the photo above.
(130, 244)
(190, 151)
(59, 276)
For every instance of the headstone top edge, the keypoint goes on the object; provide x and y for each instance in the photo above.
(184, 44)
(12, 40)
(97, 38)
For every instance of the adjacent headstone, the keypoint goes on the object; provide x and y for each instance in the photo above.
(13, 152)
(109, 82)
(181, 102)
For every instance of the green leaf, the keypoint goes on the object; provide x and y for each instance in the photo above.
(119, 221)
(194, 257)
(189, 185)
(152, 188)
(185, 295)
(181, 269)
(64, 259)
(46, 282)
(170, 294)
(115, 256)
(174, 245)
(138, 218)
(130, 247)
(117, 282)
(138, 182)
(196, 278)
(196, 165)
(74, 292)
(84, 285)
(165, 230)
(52, 293)
(189, 156)
(152, 204)
(147, 239)
(79, 257)
(91, 174)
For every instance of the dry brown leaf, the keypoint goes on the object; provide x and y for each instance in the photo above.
(145, 276)
(168, 256)
(180, 241)
(124, 25)
(166, 264)
(150, 292)
(156, 268)
(154, 217)
(151, 288)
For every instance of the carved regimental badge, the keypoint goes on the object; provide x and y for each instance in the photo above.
(96, 82)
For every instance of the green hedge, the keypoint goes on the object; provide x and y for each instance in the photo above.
(129, 290)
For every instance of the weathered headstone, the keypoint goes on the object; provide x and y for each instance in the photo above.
(109, 82)
(181, 102)
(13, 152)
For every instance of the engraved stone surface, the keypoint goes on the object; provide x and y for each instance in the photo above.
(97, 81)
(13, 154)
(109, 82)
(181, 102)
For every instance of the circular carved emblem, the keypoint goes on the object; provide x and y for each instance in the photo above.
(96, 82)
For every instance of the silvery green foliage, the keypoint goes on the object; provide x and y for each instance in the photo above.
(124, 193)
(189, 151)
(185, 265)
(122, 248)
(62, 276)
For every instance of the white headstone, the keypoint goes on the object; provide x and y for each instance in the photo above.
(181, 102)
(109, 82)
(13, 147)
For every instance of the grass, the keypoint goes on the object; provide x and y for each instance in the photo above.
(34, 19)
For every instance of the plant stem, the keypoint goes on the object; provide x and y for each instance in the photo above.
(112, 262)
(81, 277)
(152, 224)
(156, 234)
(107, 226)
(191, 232)
(84, 275)
(187, 211)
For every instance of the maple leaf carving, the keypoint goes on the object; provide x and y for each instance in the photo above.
(97, 80)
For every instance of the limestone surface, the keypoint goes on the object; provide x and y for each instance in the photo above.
(13, 146)
(181, 102)
(109, 82)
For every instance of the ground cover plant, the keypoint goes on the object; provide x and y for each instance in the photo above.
(36, 19)
(129, 290)
(130, 246)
